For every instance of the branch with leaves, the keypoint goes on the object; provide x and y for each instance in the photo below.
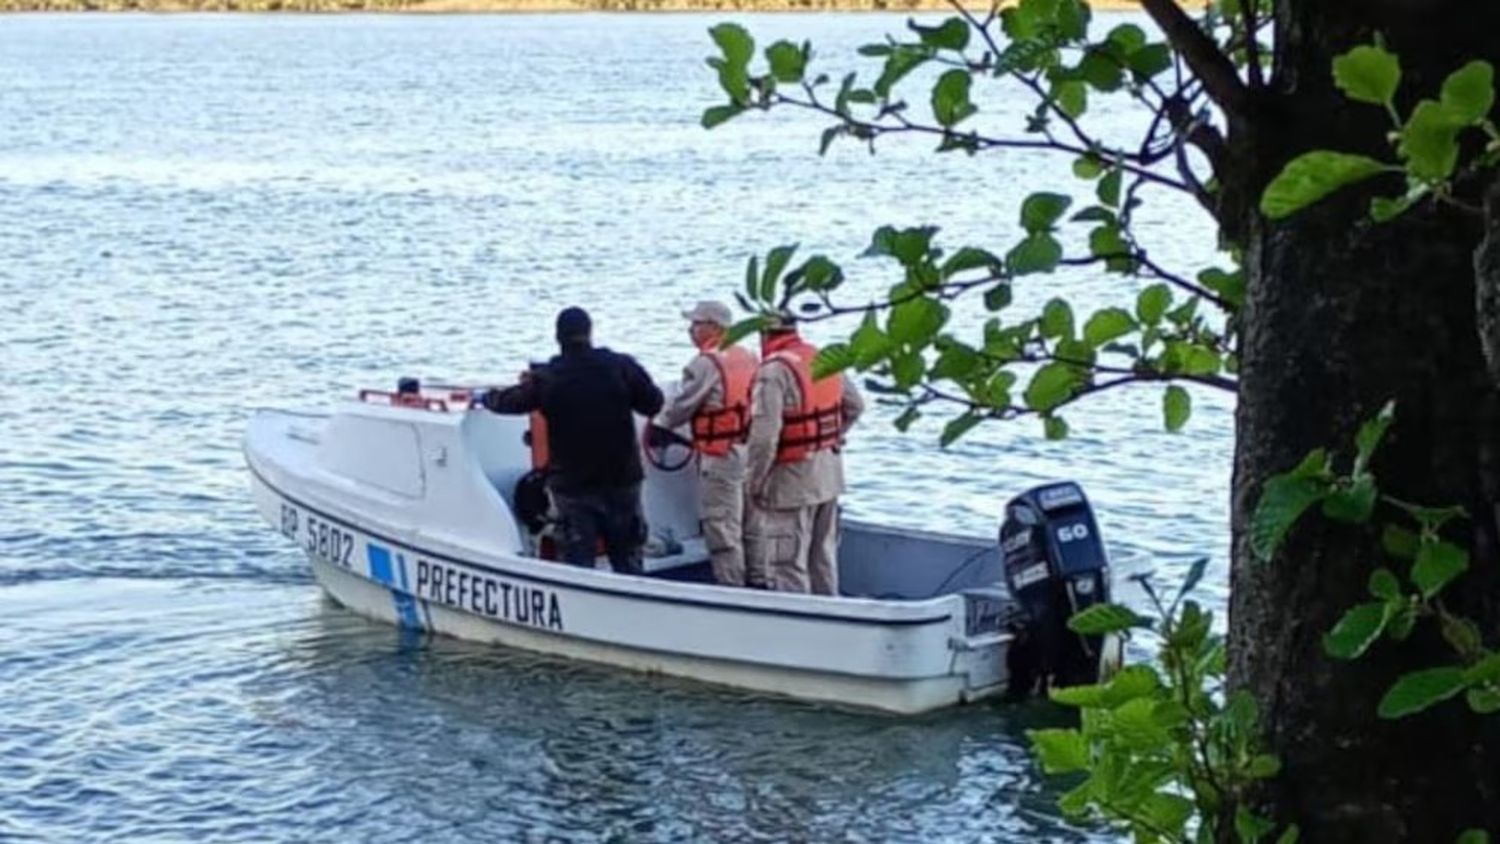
(1176, 330)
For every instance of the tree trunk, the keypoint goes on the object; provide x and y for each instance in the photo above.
(1341, 315)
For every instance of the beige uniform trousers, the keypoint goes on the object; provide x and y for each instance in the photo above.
(800, 547)
(722, 483)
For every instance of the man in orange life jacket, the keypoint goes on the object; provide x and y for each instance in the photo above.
(715, 397)
(794, 473)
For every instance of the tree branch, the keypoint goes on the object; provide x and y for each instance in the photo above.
(1252, 44)
(873, 130)
(1203, 57)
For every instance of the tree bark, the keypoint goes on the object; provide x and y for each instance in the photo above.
(1342, 315)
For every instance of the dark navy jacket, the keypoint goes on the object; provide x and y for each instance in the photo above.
(587, 396)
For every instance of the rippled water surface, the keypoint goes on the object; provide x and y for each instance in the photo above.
(204, 215)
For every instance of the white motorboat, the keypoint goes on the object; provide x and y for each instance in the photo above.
(417, 510)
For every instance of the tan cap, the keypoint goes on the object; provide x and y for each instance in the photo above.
(710, 311)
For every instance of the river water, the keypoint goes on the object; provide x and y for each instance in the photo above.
(202, 215)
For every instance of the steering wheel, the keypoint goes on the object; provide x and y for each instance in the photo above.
(662, 450)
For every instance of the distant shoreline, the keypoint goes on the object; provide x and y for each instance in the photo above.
(506, 6)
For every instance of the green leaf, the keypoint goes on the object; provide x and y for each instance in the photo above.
(1055, 428)
(1195, 574)
(957, 427)
(1041, 210)
(716, 115)
(907, 417)
(969, 258)
(950, 97)
(1101, 70)
(742, 329)
(734, 79)
(1135, 724)
(1229, 286)
(1241, 712)
(1106, 241)
(735, 42)
(953, 34)
(1073, 19)
(1462, 634)
(1051, 386)
(1263, 767)
(752, 279)
(1108, 189)
(907, 369)
(776, 261)
(1095, 214)
(1311, 176)
(869, 344)
(1486, 670)
(909, 246)
(1150, 61)
(1352, 504)
(1251, 827)
(831, 360)
(1429, 142)
(956, 362)
(1367, 74)
(903, 59)
(1483, 701)
(1177, 406)
(1106, 618)
(1419, 690)
(1383, 209)
(915, 321)
(1072, 98)
(1057, 319)
(1403, 620)
(1384, 585)
(1038, 253)
(1399, 542)
(1437, 564)
(997, 297)
(1106, 325)
(841, 99)
(1128, 37)
(787, 62)
(1469, 92)
(1060, 751)
(1370, 434)
(1282, 502)
(817, 273)
(1152, 303)
(1290, 836)
(1088, 167)
(1356, 631)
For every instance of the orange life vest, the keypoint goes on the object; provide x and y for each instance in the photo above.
(717, 430)
(818, 422)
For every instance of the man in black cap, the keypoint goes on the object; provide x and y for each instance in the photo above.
(587, 396)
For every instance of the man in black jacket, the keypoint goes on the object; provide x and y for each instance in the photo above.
(587, 396)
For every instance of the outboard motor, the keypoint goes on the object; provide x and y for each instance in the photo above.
(1055, 565)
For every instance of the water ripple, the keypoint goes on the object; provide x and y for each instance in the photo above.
(203, 215)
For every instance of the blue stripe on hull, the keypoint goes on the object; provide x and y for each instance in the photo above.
(382, 570)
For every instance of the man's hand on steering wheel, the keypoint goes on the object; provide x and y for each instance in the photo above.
(656, 441)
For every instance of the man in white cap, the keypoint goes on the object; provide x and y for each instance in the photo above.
(715, 397)
(794, 473)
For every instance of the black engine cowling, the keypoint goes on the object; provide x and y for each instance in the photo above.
(1055, 565)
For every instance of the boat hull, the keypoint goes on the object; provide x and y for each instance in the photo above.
(890, 656)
